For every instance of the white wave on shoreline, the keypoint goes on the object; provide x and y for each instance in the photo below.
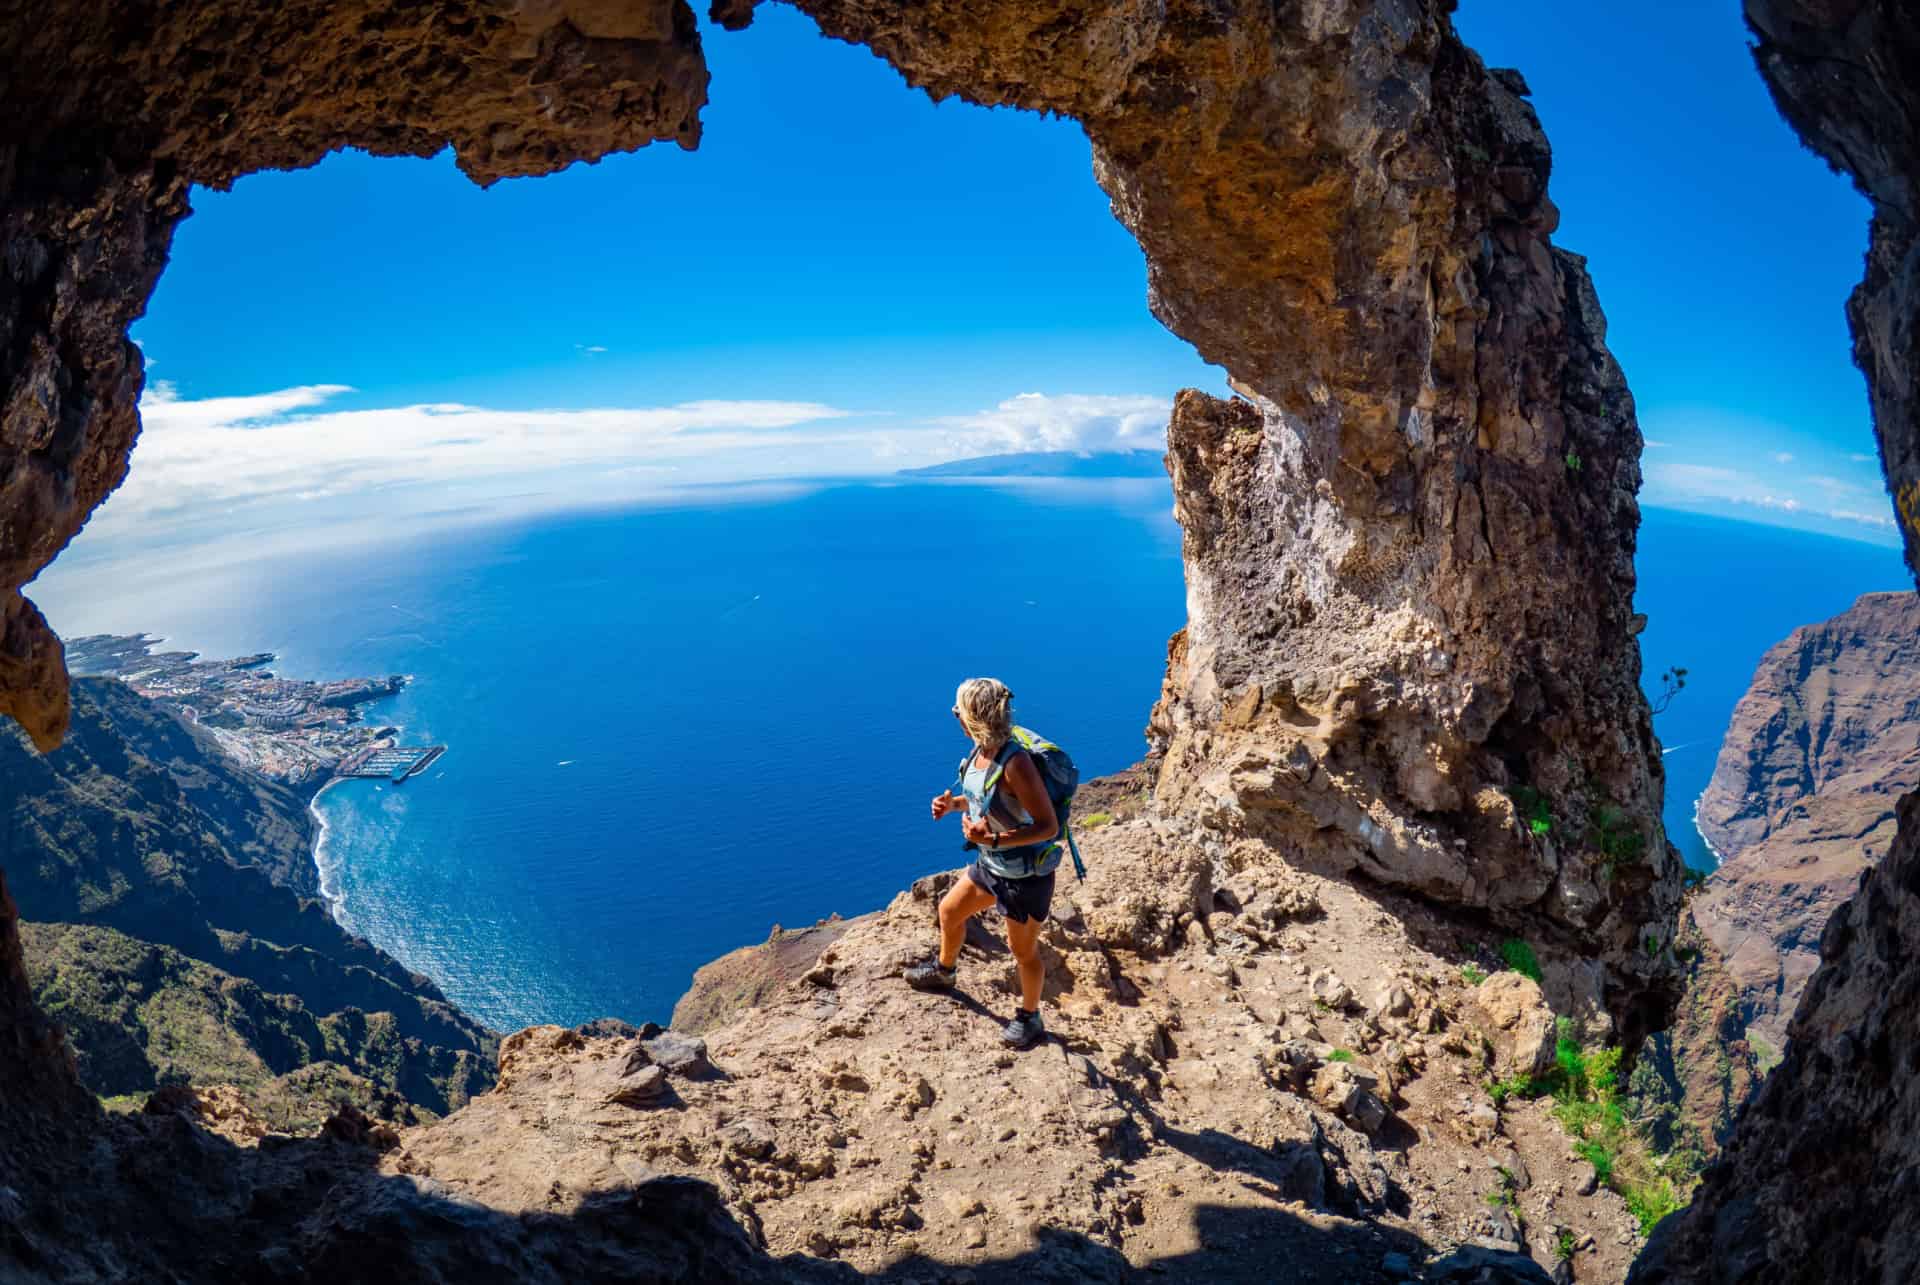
(1712, 851)
(331, 890)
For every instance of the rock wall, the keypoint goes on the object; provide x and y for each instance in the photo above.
(1817, 1178)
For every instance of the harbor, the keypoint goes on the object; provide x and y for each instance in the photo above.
(393, 763)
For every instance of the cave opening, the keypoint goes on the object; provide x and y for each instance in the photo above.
(1429, 394)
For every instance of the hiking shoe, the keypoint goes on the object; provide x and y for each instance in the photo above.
(1024, 1029)
(930, 976)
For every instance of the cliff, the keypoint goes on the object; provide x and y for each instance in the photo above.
(1216, 1104)
(1819, 751)
(1814, 1183)
(168, 942)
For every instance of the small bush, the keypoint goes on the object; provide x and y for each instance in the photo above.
(1094, 820)
(1533, 808)
(1563, 1245)
(1520, 958)
(1340, 1055)
(1514, 1086)
(1473, 975)
(1613, 833)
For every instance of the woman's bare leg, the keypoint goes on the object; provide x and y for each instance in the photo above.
(965, 900)
(1024, 938)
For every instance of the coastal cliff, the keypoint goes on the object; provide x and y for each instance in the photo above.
(175, 937)
(1820, 749)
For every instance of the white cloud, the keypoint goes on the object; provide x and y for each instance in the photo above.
(1082, 422)
(591, 349)
(1691, 483)
(1858, 458)
(227, 451)
(1783, 457)
(1657, 446)
(1865, 519)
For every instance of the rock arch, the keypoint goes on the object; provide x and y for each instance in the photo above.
(1409, 547)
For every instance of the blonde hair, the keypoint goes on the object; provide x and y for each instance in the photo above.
(986, 711)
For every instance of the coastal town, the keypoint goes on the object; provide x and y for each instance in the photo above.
(292, 730)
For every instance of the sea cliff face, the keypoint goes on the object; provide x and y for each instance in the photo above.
(1802, 800)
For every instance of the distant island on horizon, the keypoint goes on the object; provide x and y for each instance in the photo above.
(1050, 464)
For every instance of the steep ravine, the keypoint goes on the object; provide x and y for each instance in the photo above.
(1817, 1180)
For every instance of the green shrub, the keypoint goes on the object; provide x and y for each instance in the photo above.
(1615, 836)
(1473, 975)
(1340, 1055)
(1563, 1244)
(1514, 1086)
(1586, 1091)
(1533, 808)
(1094, 820)
(1520, 958)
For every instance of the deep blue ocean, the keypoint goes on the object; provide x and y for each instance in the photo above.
(673, 727)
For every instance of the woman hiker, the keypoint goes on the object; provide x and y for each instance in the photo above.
(1010, 822)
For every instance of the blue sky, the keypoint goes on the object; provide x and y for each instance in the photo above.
(847, 277)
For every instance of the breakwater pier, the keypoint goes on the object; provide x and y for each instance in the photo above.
(389, 762)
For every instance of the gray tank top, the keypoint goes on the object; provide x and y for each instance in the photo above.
(1007, 814)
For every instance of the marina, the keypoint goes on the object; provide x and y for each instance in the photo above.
(393, 763)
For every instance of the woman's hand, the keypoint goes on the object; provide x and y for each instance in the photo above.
(946, 802)
(977, 830)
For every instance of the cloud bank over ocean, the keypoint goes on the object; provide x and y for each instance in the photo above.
(306, 466)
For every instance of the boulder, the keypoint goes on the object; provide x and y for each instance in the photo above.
(1513, 1018)
(1328, 989)
(684, 1055)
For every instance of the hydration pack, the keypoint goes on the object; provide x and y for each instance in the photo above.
(1057, 773)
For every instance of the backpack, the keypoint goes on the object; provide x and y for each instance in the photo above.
(1057, 773)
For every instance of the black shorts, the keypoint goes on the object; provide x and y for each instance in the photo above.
(1020, 899)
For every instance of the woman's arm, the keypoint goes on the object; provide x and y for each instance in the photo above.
(1024, 779)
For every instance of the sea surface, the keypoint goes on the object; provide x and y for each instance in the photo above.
(672, 728)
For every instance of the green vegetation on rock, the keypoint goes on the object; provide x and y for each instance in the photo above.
(1520, 958)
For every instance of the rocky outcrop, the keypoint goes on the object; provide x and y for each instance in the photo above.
(1820, 749)
(1842, 72)
(1203, 1111)
(1816, 1180)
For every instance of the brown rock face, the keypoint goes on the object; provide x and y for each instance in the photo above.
(109, 114)
(1816, 1182)
(1820, 749)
